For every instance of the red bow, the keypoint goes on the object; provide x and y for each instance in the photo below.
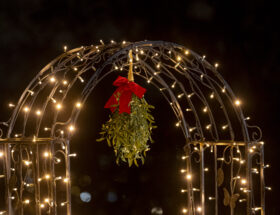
(125, 89)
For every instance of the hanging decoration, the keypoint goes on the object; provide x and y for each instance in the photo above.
(130, 125)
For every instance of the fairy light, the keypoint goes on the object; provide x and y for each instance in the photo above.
(190, 95)
(42, 205)
(75, 69)
(73, 155)
(216, 65)
(243, 181)
(149, 80)
(66, 180)
(251, 150)
(188, 109)
(188, 176)
(26, 201)
(173, 85)
(211, 198)
(247, 118)
(187, 52)
(180, 95)
(184, 210)
(224, 127)
(47, 176)
(224, 90)
(183, 170)
(265, 166)
(242, 200)
(81, 79)
(38, 112)
(237, 102)
(64, 82)
(27, 163)
(46, 154)
(205, 109)
(179, 58)
(208, 126)
(1, 154)
(268, 188)
(183, 191)
(65, 48)
(11, 105)
(203, 57)
(199, 209)
(26, 109)
(211, 95)
(184, 157)
(158, 65)
(78, 105)
(47, 200)
(206, 169)
(58, 106)
(71, 128)
(52, 79)
(53, 100)
(177, 124)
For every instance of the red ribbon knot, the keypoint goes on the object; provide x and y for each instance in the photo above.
(125, 90)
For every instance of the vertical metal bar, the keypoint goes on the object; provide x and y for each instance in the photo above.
(21, 185)
(262, 182)
(68, 175)
(202, 180)
(189, 182)
(38, 195)
(8, 175)
(216, 181)
(248, 178)
(53, 183)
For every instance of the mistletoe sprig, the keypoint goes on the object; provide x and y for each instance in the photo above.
(129, 133)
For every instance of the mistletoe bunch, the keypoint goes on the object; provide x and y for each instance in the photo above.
(129, 133)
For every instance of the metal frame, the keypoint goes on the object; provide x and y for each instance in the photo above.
(204, 104)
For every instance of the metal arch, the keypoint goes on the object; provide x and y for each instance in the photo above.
(102, 60)
(121, 50)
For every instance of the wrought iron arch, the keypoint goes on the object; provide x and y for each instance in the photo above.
(36, 137)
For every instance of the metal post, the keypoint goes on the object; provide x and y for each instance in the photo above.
(8, 176)
(202, 180)
(262, 182)
(68, 175)
(216, 181)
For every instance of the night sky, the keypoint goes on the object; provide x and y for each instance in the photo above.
(242, 36)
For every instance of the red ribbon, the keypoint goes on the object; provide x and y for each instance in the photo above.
(125, 89)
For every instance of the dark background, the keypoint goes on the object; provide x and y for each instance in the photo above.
(241, 36)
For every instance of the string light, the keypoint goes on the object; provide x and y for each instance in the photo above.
(216, 65)
(78, 105)
(188, 176)
(71, 128)
(64, 82)
(183, 170)
(243, 181)
(184, 210)
(11, 105)
(211, 95)
(237, 102)
(58, 106)
(38, 112)
(1, 154)
(180, 95)
(26, 201)
(26, 109)
(52, 79)
(47, 176)
(179, 58)
(42, 205)
(65, 48)
(66, 180)
(205, 109)
(173, 85)
(211, 198)
(46, 154)
(199, 209)
(187, 52)
(224, 127)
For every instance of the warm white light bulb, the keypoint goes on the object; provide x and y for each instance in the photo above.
(46, 154)
(64, 82)
(71, 128)
(66, 180)
(187, 52)
(26, 201)
(47, 176)
(78, 105)
(189, 176)
(237, 102)
(1, 154)
(184, 210)
(52, 79)
(26, 109)
(216, 65)
(179, 58)
(199, 209)
(58, 106)
(243, 181)
(38, 112)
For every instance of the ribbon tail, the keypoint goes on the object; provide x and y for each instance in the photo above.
(125, 102)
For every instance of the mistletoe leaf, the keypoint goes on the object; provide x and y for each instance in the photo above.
(220, 177)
